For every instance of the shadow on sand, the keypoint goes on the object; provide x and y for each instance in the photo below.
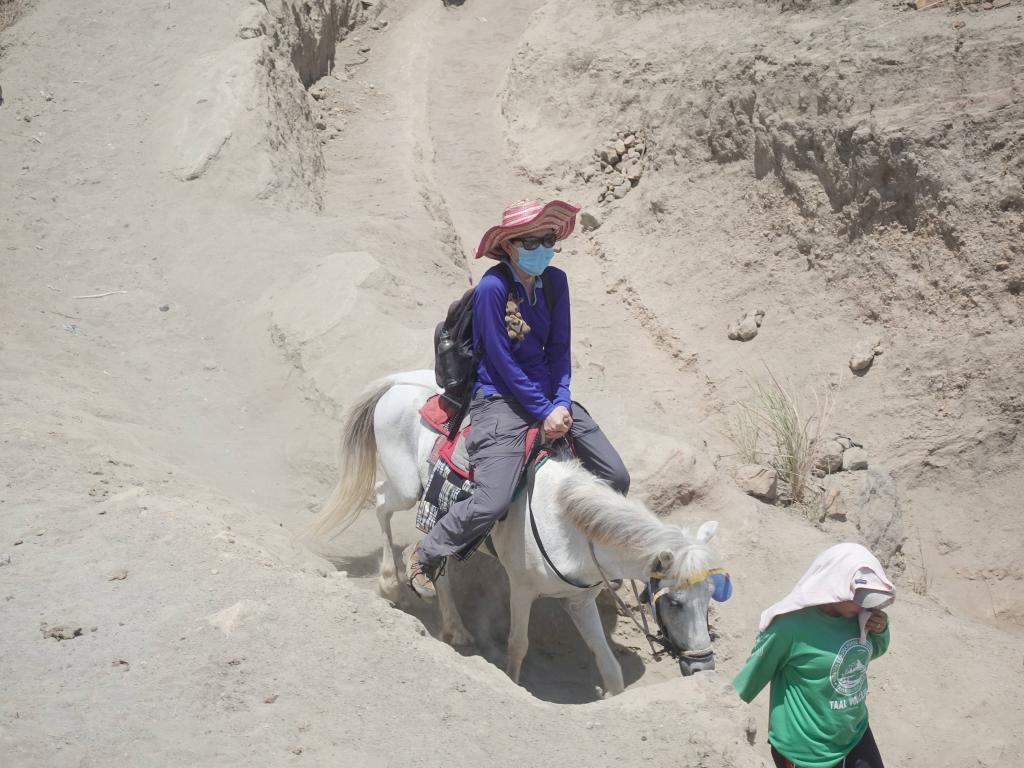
(559, 667)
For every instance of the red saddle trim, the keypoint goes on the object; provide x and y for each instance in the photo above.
(438, 413)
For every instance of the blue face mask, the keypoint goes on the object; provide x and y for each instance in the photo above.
(536, 261)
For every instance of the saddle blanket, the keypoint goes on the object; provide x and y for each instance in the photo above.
(451, 475)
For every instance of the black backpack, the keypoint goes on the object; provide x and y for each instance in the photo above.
(455, 358)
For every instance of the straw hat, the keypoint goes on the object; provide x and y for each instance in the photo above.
(524, 217)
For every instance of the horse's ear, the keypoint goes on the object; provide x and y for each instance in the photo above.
(706, 531)
(665, 558)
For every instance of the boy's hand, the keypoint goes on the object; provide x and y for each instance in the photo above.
(878, 621)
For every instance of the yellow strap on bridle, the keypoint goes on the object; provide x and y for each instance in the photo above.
(692, 581)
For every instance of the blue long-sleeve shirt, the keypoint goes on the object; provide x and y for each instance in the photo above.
(536, 370)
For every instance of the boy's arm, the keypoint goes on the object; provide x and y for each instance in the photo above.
(771, 651)
(879, 642)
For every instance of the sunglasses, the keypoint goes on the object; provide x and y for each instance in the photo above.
(532, 243)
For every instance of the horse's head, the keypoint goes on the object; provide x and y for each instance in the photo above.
(680, 592)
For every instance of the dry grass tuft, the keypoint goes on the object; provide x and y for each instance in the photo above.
(10, 11)
(773, 428)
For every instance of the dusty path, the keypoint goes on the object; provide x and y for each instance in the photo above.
(431, 86)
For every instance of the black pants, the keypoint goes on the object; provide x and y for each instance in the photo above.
(864, 755)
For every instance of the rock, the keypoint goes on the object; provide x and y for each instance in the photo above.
(855, 458)
(633, 172)
(621, 190)
(759, 316)
(589, 221)
(61, 632)
(670, 473)
(5, 560)
(320, 124)
(846, 441)
(119, 575)
(587, 174)
(733, 330)
(629, 141)
(620, 147)
(607, 154)
(1000, 3)
(863, 356)
(1002, 266)
(832, 505)
(760, 482)
(165, 307)
(747, 328)
(830, 457)
(380, 24)
(877, 513)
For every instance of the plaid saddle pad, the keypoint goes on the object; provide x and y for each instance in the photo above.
(445, 487)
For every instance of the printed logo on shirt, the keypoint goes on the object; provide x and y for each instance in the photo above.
(849, 671)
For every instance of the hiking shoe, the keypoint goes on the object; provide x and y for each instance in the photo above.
(419, 576)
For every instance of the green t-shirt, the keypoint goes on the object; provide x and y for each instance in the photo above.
(818, 667)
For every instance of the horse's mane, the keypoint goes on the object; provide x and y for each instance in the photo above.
(605, 517)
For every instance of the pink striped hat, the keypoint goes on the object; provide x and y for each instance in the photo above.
(524, 217)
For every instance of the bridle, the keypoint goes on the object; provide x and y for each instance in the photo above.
(661, 643)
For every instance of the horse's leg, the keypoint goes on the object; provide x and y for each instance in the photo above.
(520, 605)
(388, 502)
(452, 629)
(588, 621)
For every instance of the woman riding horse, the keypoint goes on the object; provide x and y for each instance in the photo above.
(519, 383)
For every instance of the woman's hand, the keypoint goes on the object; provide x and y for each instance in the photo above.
(878, 621)
(558, 423)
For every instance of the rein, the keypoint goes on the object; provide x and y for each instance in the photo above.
(531, 472)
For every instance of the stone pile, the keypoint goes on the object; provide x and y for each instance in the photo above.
(840, 453)
(617, 166)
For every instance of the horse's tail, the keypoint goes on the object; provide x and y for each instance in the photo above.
(357, 457)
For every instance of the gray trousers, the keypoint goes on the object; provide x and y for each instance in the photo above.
(496, 446)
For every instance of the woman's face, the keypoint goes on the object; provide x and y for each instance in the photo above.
(543, 238)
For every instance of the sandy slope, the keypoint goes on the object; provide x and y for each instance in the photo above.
(170, 445)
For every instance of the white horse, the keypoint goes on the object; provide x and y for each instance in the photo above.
(585, 526)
